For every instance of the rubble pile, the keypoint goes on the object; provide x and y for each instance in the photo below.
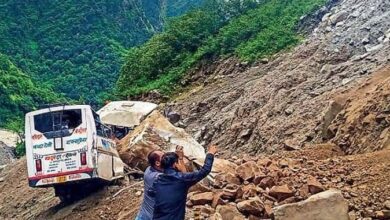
(260, 184)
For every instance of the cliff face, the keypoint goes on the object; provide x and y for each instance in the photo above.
(287, 101)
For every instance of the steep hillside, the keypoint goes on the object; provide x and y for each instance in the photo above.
(286, 102)
(77, 46)
(18, 93)
(248, 29)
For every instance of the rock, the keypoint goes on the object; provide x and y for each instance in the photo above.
(314, 185)
(220, 180)
(304, 191)
(267, 182)
(232, 191)
(203, 211)
(251, 207)
(338, 17)
(268, 212)
(289, 111)
(227, 212)
(248, 170)
(291, 145)
(246, 133)
(173, 117)
(264, 61)
(281, 192)
(156, 132)
(384, 214)
(252, 217)
(387, 204)
(217, 200)
(200, 188)
(264, 162)
(327, 205)
(202, 198)
(283, 163)
(138, 193)
(249, 191)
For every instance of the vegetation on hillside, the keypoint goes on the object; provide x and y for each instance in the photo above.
(77, 46)
(18, 95)
(249, 30)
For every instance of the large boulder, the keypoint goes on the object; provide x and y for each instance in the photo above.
(156, 132)
(328, 205)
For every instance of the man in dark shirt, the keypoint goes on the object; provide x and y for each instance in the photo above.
(150, 175)
(172, 186)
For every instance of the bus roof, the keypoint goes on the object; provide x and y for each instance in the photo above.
(57, 108)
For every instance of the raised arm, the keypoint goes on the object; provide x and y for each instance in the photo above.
(194, 177)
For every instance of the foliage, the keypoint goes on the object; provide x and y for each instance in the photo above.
(247, 29)
(18, 94)
(77, 47)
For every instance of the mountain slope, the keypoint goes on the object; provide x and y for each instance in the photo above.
(284, 102)
(77, 46)
(18, 94)
(248, 29)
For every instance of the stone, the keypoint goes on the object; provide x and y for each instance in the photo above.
(267, 182)
(264, 61)
(291, 145)
(314, 185)
(264, 162)
(304, 191)
(204, 211)
(268, 212)
(138, 193)
(383, 214)
(173, 117)
(199, 187)
(217, 200)
(251, 207)
(283, 163)
(222, 179)
(327, 205)
(227, 212)
(281, 192)
(289, 111)
(202, 198)
(248, 170)
(338, 17)
(387, 204)
(246, 133)
(231, 191)
(249, 191)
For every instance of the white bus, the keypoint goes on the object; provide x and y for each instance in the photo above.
(67, 146)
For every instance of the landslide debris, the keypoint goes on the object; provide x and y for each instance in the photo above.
(282, 101)
(289, 177)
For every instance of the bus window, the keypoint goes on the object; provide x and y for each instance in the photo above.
(58, 123)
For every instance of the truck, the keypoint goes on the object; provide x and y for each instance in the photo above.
(69, 148)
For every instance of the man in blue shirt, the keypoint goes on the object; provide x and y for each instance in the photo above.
(172, 186)
(150, 175)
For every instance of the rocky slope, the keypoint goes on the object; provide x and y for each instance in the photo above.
(287, 101)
